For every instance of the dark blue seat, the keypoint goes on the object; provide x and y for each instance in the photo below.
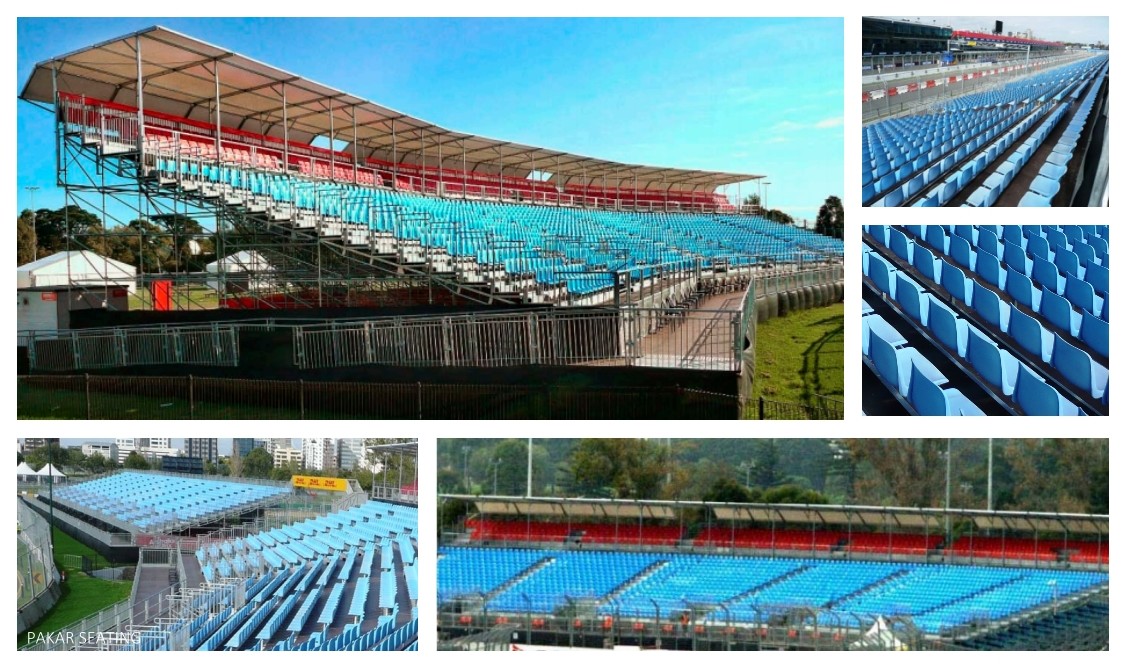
(1015, 258)
(1078, 367)
(1022, 290)
(1085, 252)
(990, 308)
(988, 241)
(900, 244)
(1013, 234)
(1045, 273)
(1037, 247)
(912, 299)
(1081, 295)
(1098, 276)
(881, 273)
(1068, 263)
(937, 238)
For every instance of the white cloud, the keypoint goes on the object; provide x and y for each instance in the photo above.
(832, 122)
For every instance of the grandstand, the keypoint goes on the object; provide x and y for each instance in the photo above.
(770, 576)
(237, 566)
(985, 320)
(1033, 141)
(473, 240)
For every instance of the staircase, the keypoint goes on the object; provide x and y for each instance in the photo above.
(623, 587)
(542, 563)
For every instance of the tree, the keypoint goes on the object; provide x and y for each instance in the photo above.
(85, 230)
(257, 464)
(96, 463)
(449, 482)
(728, 490)
(753, 200)
(830, 219)
(181, 230)
(620, 467)
(765, 471)
(25, 238)
(135, 460)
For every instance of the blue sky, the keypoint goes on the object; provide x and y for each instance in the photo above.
(759, 96)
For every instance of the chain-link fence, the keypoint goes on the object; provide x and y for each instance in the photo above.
(821, 408)
(93, 397)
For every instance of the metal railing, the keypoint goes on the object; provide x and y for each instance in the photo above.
(211, 345)
(822, 408)
(34, 563)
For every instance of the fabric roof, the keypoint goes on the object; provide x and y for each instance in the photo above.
(52, 471)
(179, 79)
(24, 469)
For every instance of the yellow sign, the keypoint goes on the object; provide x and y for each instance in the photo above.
(327, 484)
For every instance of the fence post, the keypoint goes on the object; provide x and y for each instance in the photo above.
(760, 410)
(301, 398)
(89, 415)
(419, 416)
(191, 396)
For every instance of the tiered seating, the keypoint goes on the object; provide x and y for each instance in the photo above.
(149, 500)
(937, 597)
(949, 148)
(768, 539)
(1034, 301)
(477, 570)
(1046, 184)
(589, 532)
(246, 149)
(895, 543)
(310, 578)
(1028, 549)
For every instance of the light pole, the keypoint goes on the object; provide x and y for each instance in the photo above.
(947, 495)
(467, 486)
(766, 184)
(529, 467)
(495, 477)
(990, 474)
(34, 231)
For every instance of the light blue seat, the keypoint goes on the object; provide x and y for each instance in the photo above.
(995, 365)
(912, 299)
(1058, 311)
(1036, 397)
(1033, 199)
(894, 365)
(928, 398)
(876, 324)
(948, 328)
(956, 283)
(1082, 295)
(1046, 187)
(1030, 335)
(881, 273)
(1078, 368)
(937, 238)
(900, 245)
(979, 197)
(926, 263)
(990, 307)
(962, 252)
(989, 268)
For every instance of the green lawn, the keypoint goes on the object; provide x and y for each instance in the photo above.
(800, 356)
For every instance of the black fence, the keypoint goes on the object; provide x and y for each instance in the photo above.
(94, 397)
(823, 408)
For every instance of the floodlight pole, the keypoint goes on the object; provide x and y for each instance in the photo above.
(217, 119)
(990, 474)
(34, 232)
(529, 467)
(947, 495)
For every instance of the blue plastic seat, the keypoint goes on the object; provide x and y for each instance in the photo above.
(962, 252)
(912, 299)
(893, 365)
(990, 269)
(1015, 258)
(1045, 273)
(948, 328)
(1030, 335)
(937, 238)
(1058, 311)
(1098, 276)
(886, 332)
(1082, 295)
(1036, 397)
(1078, 368)
(926, 263)
(990, 308)
(1033, 199)
(881, 273)
(956, 283)
(1037, 246)
(997, 366)
(928, 398)
(1094, 332)
(900, 245)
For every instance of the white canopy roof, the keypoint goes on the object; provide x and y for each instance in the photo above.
(74, 268)
(24, 469)
(179, 78)
(51, 471)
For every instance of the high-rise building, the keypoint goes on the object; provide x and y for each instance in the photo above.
(152, 449)
(204, 448)
(352, 455)
(32, 443)
(283, 456)
(272, 444)
(243, 446)
(320, 454)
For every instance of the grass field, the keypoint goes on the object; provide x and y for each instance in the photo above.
(800, 356)
(82, 595)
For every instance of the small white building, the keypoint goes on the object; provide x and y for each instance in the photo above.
(50, 288)
(283, 456)
(244, 271)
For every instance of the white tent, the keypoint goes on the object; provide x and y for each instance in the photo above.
(51, 472)
(75, 268)
(248, 270)
(881, 637)
(25, 473)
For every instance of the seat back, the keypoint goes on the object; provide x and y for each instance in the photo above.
(1026, 331)
(1094, 332)
(1034, 395)
(925, 396)
(1073, 363)
(1056, 310)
